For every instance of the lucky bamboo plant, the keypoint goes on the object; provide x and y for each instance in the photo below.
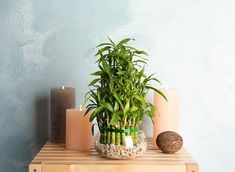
(117, 94)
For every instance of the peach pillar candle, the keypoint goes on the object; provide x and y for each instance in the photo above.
(166, 115)
(78, 130)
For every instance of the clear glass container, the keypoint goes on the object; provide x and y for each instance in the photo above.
(121, 145)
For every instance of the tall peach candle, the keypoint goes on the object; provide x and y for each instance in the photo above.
(78, 130)
(166, 112)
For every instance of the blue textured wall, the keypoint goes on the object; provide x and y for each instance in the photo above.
(48, 43)
(44, 44)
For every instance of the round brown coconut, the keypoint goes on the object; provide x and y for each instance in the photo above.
(169, 142)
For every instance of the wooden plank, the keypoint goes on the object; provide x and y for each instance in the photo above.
(192, 167)
(98, 159)
(111, 168)
(35, 167)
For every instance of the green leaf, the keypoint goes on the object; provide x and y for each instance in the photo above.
(133, 48)
(111, 41)
(94, 105)
(139, 61)
(123, 51)
(136, 55)
(94, 82)
(94, 95)
(98, 73)
(142, 100)
(93, 129)
(150, 112)
(85, 101)
(88, 110)
(114, 118)
(151, 109)
(149, 78)
(99, 94)
(155, 79)
(141, 52)
(118, 99)
(139, 98)
(158, 91)
(134, 108)
(121, 72)
(104, 49)
(100, 45)
(124, 41)
(107, 106)
(95, 113)
(116, 106)
(106, 66)
(127, 107)
(100, 67)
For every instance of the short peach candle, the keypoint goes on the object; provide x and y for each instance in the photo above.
(166, 115)
(78, 130)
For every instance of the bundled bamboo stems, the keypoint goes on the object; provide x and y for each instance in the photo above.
(117, 94)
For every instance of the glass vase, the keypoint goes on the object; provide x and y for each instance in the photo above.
(120, 144)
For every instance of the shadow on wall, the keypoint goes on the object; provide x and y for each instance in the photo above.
(9, 164)
(17, 154)
(42, 118)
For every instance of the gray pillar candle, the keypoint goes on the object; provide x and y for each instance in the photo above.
(61, 99)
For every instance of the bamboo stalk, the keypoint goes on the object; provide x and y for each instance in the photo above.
(113, 136)
(136, 140)
(118, 139)
(123, 135)
(104, 136)
(108, 137)
(132, 132)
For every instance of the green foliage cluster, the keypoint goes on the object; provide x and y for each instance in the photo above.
(117, 94)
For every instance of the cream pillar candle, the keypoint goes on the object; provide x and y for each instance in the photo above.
(62, 98)
(166, 112)
(78, 130)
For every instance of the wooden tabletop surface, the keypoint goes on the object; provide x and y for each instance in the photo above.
(55, 157)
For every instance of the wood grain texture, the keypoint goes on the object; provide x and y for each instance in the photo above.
(56, 158)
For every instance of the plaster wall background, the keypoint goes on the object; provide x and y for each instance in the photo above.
(44, 44)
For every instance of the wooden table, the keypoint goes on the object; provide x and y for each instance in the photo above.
(56, 158)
